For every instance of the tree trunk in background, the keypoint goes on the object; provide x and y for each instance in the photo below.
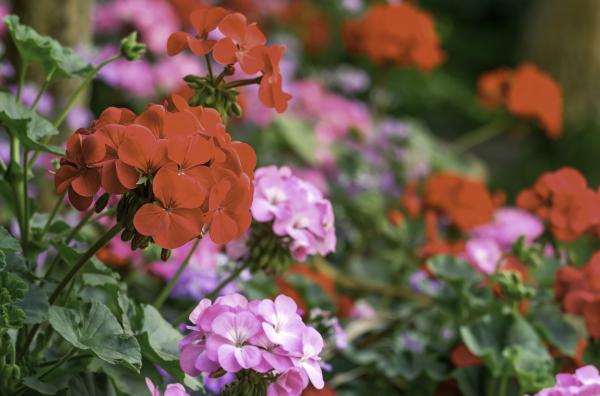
(69, 22)
(563, 37)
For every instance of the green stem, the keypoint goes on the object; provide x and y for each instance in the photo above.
(55, 210)
(209, 67)
(478, 136)
(241, 83)
(42, 89)
(491, 384)
(22, 73)
(503, 385)
(15, 161)
(25, 228)
(215, 291)
(79, 226)
(166, 291)
(103, 240)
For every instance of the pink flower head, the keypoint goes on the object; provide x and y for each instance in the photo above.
(306, 356)
(509, 225)
(171, 390)
(229, 342)
(297, 209)
(290, 383)
(483, 254)
(585, 382)
(282, 324)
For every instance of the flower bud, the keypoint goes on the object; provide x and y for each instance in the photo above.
(127, 234)
(131, 49)
(101, 203)
(165, 254)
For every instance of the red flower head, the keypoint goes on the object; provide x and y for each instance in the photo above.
(461, 356)
(527, 92)
(78, 173)
(565, 201)
(240, 39)
(466, 202)
(176, 217)
(143, 151)
(270, 91)
(204, 20)
(114, 115)
(579, 291)
(396, 33)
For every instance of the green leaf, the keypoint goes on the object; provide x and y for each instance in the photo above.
(485, 339)
(93, 327)
(31, 128)
(8, 243)
(553, 325)
(534, 370)
(453, 269)
(471, 380)
(298, 136)
(33, 47)
(95, 273)
(44, 388)
(35, 305)
(161, 337)
(12, 290)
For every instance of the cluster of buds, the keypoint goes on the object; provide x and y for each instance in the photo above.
(240, 43)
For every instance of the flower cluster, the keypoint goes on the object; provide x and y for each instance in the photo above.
(179, 167)
(585, 381)
(527, 92)
(396, 33)
(171, 390)
(465, 202)
(579, 291)
(297, 209)
(263, 336)
(565, 201)
(488, 243)
(242, 43)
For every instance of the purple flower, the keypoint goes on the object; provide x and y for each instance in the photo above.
(216, 385)
(585, 382)
(281, 320)
(306, 356)
(171, 390)
(78, 116)
(229, 341)
(262, 335)
(297, 209)
(484, 254)
(509, 225)
(290, 383)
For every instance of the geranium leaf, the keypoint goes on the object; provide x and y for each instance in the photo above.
(12, 291)
(8, 243)
(33, 47)
(93, 327)
(31, 128)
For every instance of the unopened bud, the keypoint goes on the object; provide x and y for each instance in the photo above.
(165, 254)
(101, 203)
(127, 234)
(131, 49)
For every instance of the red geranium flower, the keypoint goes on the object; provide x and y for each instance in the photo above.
(240, 39)
(527, 92)
(116, 176)
(204, 20)
(176, 218)
(270, 91)
(461, 356)
(114, 115)
(143, 151)
(77, 172)
(228, 205)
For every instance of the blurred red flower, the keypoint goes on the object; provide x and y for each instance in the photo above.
(204, 20)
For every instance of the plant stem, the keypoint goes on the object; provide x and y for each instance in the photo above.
(215, 291)
(103, 240)
(22, 73)
(478, 136)
(503, 385)
(209, 67)
(15, 161)
(79, 226)
(241, 83)
(166, 291)
(25, 227)
(55, 210)
(42, 89)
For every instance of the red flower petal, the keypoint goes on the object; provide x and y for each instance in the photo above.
(224, 51)
(176, 43)
(234, 27)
